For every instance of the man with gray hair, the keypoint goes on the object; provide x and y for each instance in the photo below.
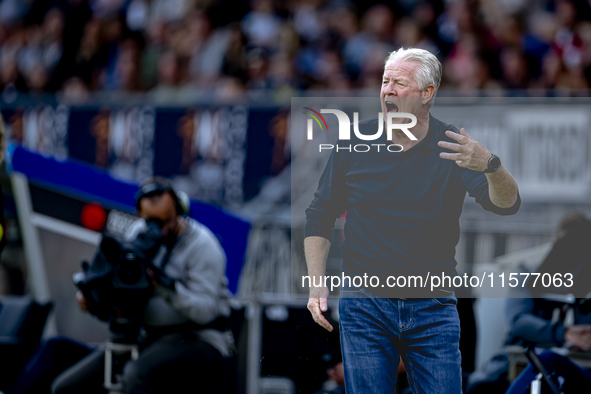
(403, 214)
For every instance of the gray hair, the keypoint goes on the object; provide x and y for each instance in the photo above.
(429, 70)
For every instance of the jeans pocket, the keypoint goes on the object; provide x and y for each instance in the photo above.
(351, 289)
(353, 292)
(446, 301)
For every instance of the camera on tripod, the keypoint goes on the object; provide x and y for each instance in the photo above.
(117, 286)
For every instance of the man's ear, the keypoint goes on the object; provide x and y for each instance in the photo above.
(427, 93)
(138, 209)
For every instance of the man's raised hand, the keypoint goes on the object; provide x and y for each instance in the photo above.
(471, 154)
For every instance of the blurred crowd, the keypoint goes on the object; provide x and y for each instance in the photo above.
(224, 47)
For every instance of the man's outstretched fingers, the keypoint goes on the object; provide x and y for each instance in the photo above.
(462, 139)
(463, 132)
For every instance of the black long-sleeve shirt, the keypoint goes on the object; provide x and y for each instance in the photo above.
(402, 208)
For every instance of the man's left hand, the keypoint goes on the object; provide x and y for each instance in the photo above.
(471, 154)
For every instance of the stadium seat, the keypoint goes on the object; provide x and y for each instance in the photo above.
(22, 320)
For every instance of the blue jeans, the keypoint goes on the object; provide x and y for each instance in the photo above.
(376, 332)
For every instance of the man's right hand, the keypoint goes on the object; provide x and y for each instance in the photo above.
(579, 335)
(83, 303)
(318, 303)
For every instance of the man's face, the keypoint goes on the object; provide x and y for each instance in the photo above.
(161, 207)
(400, 91)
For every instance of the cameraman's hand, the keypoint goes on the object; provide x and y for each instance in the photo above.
(152, 277)
(83, 303)
(150, 240)
(318, 303)
(160, 280)
(579, 335)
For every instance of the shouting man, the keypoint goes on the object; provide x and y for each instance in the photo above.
(403, 214)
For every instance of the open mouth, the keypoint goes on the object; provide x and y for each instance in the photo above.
(391, 107)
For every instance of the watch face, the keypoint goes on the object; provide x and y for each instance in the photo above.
(494, 163)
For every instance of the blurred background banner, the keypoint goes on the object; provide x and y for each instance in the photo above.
(39, 127)
(545, 144)
(203, 149)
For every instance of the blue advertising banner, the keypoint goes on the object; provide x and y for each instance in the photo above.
(218, 154)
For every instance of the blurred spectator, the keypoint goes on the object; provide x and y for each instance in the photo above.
(13, 10)
(170, 78)
(168, 72)
(379, 22)
(566, 373)
(156, 34)
(235, 63)
(309, 22)
(124, 73)
(375, 26)
(117, 44)
(258, 69)
(75, 89)
(409, 34)
(261, 25)
(551, 70)
(138, 15)
(282, 74)
(531, 321)
(372, 66)
(230, 88)
(89, 59)
(10, 77)
(209, 49)
(169, 10)
(335, 372)
(514, 68)
(39, 51)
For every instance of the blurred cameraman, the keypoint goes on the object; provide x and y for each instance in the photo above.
(185, 344)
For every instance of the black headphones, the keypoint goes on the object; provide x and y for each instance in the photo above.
(158, 185)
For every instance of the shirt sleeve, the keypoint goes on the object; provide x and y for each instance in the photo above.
(476, 185)
(328, 202)
(197, 296)
(527, 326)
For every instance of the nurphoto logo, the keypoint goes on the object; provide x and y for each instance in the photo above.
(345, 129)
